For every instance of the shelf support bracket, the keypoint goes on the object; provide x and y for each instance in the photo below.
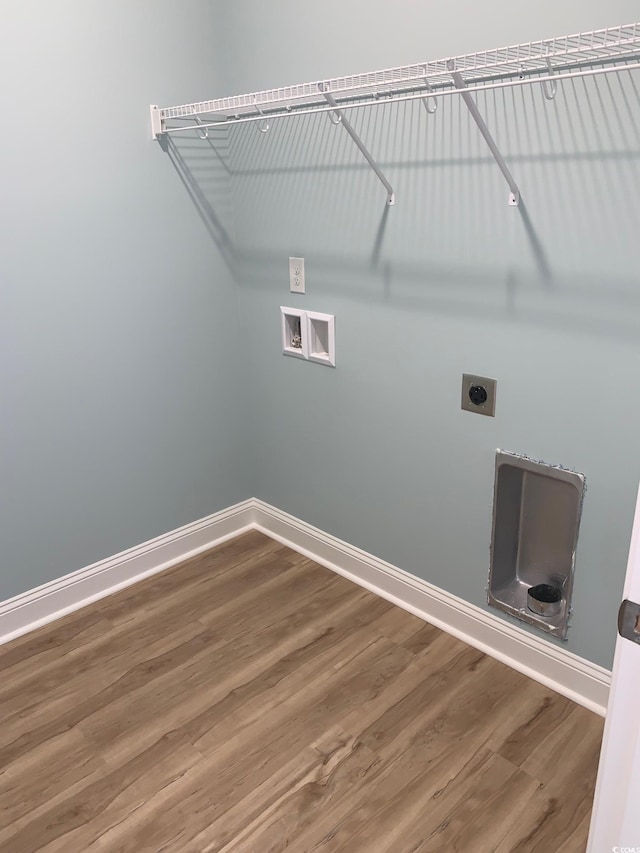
(156, 122)
(514, 195)
(342, 119)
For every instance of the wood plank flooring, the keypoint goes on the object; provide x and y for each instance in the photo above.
(250, 700)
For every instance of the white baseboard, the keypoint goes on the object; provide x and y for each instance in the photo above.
(52, 600)
(562, 671)
(566, 673)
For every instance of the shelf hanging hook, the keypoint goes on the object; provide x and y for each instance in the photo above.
(549, 87)
(430, 102)
(263, 126)
(204, 135)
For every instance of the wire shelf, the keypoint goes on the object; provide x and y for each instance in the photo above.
(582, 53)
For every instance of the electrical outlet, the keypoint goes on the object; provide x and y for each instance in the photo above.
(296, 275)
(479, 394)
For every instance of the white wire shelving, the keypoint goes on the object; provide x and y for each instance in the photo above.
(543, 62)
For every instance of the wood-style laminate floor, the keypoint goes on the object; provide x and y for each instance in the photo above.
(250, 700)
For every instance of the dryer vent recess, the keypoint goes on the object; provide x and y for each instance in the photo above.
(536, 519)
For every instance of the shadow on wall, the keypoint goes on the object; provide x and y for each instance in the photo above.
(205, 174)
(567, 256)
(581, 302)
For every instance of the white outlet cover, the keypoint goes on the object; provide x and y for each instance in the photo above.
(296, 275)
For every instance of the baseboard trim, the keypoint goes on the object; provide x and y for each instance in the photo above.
(566, 673)
(561, 670)
(48, 602)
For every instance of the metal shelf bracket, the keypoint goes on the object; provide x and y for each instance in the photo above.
(514, 195)
(157, 127)
(340, 118)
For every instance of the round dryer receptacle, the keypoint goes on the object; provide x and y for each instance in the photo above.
(478, 395)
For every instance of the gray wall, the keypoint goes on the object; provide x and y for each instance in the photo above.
(545, 298)
(133, 399)
(120, 401)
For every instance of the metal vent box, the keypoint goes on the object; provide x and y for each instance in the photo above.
(536, 518)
